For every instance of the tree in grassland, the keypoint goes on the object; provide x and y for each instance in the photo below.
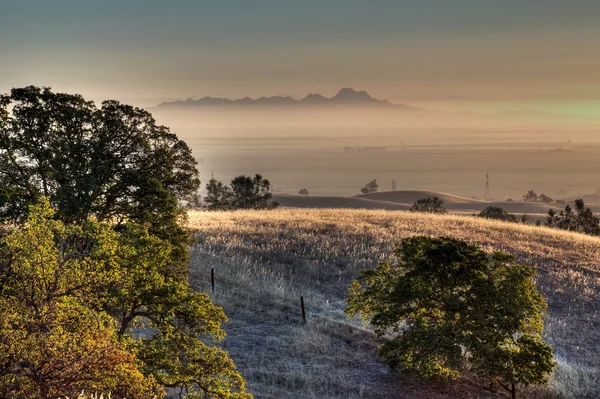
(530, 196)
(111, 162)
(544, 199)
(183, 322)
(580, 219)
(114, 167)
(218, 196)
(429, 205)
(495, 212)
(251, 192)
(244, 192)
(370, 187)
(303, 191)
(454, 308)
(88, 308)
(53, 340)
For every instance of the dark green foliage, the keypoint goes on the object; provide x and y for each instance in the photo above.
(454, 308)
(429, 205)
(110, 162)
(370, 187)
(218, 196)
(495, 212)
(544, 199)
(244, 192)
(581, 219)
(532, 196)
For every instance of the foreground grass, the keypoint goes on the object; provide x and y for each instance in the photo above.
(265, 260)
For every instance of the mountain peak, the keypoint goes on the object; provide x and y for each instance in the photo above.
(350, 95)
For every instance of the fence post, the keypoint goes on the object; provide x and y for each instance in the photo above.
(212, 279)
(303, 310)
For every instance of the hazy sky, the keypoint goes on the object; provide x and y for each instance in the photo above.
(529, 53)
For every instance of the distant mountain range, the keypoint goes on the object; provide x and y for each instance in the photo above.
(345, 97)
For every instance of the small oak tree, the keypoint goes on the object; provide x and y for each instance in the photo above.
(530, 196)
(581, 219)
(495, 212)
(244, 192)
(429, 205)
(453, 308)
(544, 199)
(370, 187)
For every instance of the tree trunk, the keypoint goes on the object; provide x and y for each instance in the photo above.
(513, 391)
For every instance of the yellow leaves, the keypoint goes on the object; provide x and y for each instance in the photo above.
(74, 297)
(54, 343)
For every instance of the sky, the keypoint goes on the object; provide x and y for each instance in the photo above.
(484, 55)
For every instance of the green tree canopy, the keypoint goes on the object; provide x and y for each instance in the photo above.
(244, 192)
(581, 219)
(429, 205)
(370, 187)
(495, 212)
(84, 307)
(53, 341)
(452, 307)
(530, 196)
(112, 162)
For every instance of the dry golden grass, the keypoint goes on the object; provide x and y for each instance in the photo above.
(265, 260)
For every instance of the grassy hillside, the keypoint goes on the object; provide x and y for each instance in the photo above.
(265, 260)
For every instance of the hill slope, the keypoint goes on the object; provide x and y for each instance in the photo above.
(316, 201)
(410, 196)
(265, 260)
(403, 200)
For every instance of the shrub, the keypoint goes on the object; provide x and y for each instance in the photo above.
(429, 205)
(495, 212)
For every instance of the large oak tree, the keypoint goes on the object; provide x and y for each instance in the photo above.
(452, 308)
(113, 162)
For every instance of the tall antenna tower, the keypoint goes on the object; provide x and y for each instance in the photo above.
(393, 185)
(487, 186)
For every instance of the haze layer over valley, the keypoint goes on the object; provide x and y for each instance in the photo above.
(334, 146)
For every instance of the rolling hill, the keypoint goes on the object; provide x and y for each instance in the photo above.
(410, 196)
(403, 200)
(265, 260)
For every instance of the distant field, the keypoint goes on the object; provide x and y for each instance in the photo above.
(410, 196)
(265, 260)
(403, 200)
